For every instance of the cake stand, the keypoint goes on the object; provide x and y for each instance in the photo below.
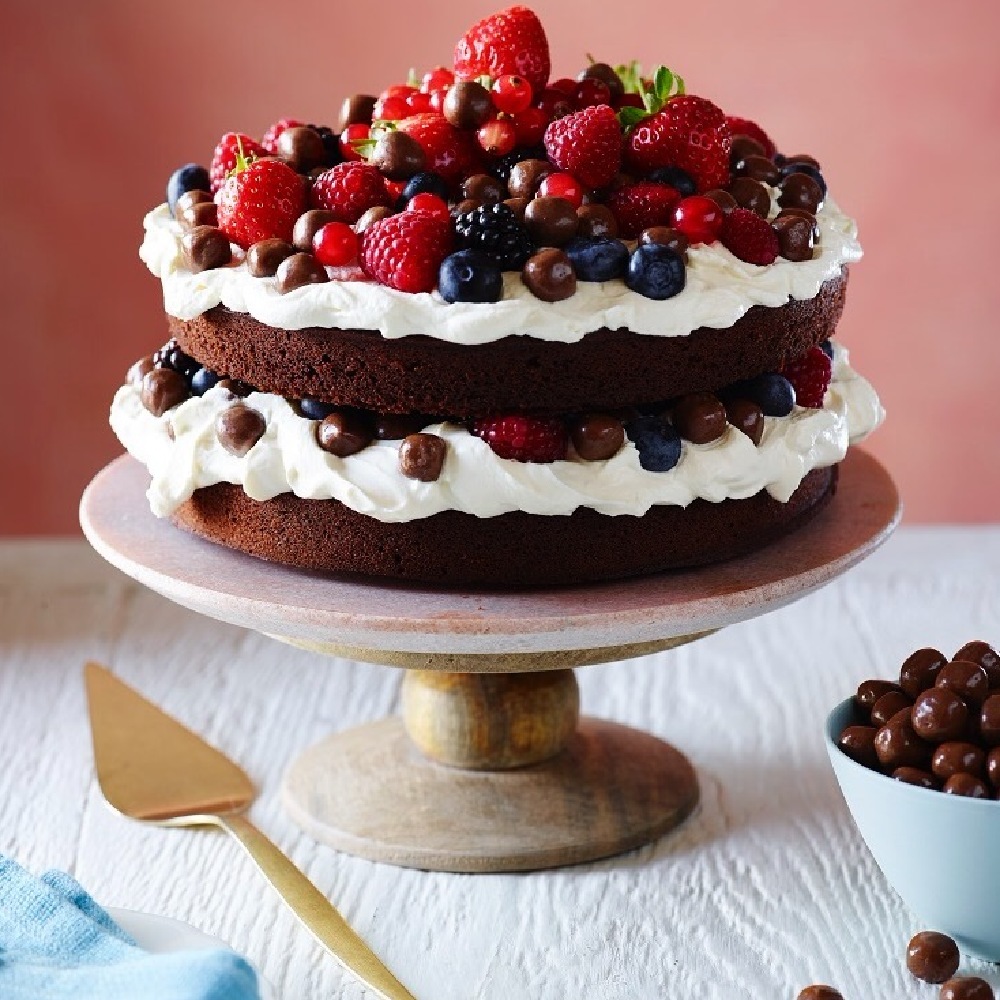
(490, 768)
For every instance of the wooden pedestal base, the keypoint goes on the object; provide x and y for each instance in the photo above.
(370, 792)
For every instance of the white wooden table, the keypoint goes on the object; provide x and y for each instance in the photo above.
(766, 889)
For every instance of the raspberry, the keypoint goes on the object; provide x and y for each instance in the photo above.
(270, 138)
(405, 251)
(587, 144)
(510, 42)
(810, 377)
(349, 190)
(749, 237)
(524, 439)
(226, 152)
(639, 206)
(743, 126)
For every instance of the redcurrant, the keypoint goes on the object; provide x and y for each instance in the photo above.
(555, 104)
(397, 90)
(335, 244)
(497, 137)
(564, 85)
(390, 109)
(418, 104)
(511, 94)
(350, 135)
(562, 186)
(698, 218)
(436, 79)
(530, 126)
(430, 203)
(437, 100)
(591, 91)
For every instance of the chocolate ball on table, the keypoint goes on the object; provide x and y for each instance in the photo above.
(858, 742)
(421, 457)
(239, 427)
(967, 679)
(932, 957)
(939, 715)
(967, 785)
(957, 757)
(986, 656)
(920, 670)
(898, 745)
(966, 988)
(870, 691)
(989, 721)
(888, 705)
(597, 437)
(915, 776)
(819, 991)
(993, 767)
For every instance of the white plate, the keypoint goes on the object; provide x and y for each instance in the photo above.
(162, 934)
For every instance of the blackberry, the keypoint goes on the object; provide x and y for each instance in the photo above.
(503, 166)
(495, 230)
(331, 144)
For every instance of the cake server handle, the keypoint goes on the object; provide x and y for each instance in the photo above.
(315, 911)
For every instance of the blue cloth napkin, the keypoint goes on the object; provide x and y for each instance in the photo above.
(56, 943)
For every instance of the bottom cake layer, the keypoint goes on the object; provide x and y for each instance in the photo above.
(510, 550)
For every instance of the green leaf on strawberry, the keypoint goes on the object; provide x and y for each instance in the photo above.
(665, 85)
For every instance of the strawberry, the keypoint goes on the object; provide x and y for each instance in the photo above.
(810, 377)
(349, 190)
(743, 126)
(750, 237)
(226, 153)
(260, 201)
(511, 42)
(447, 151)
(405, 251)
(638, 206)
(587, 144)
(524, 439)
(270, 138)
(690, 133)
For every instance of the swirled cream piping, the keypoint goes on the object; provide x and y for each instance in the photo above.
(720, 289)
(183, 454)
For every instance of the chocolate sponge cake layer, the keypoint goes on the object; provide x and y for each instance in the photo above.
(510, 550)
(606, 370)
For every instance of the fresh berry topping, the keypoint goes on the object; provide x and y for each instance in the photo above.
(190, 177)
(203, 380)
(496, 231)
(391, 109)
(261, 201)
(555, 104)
(511, 42)
(438, 78)
(349, 190)
(772, 392)
(656, 271)
(691, 133)
(505, 164)
(335, 244)
(680, 180)
(470, 276)
(511, 94)
(598, 259)
(425, 182)
(607, 75)
(743, 126)
(449, 152)
(590, 92)
(562, 186)
(530, 125)
(524, 439)
(640, 206)
(747, 236)
(270, 138)
(587, 144)
(810, 377)
(406, 251)
(497, 137)
(698, 218)
(331, 144)
(658, 444)
(429, 203)
(226, 153)
(351, 138)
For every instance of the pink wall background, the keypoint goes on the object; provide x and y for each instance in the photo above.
(899, 99)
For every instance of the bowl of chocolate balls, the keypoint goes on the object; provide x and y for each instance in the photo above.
(918, 761)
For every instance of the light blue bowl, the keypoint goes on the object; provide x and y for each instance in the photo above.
(941, 853)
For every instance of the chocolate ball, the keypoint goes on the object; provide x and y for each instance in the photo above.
(203, 213)
(239, 427)
(421, 456)
(467, 105)
(939, 715)
(162, 390)
(979, 652)
(888, 705)
(898, 745)
(298, 270)
(966, 988)
(870, 691)
(518, 206)
(307, 225)
(189, 199)
(968, 786)
(759, 168)
(858, 742)
(301, 148)
(551, 221)
(932, 957)
(372, 215)
(139, 370)
(742, 147)
(398, 156)
(993, 767)
(699, 417)
(664, 236)
(205, 248)
(751, 194)
(968, 680)
(723, 199)
(607, 75)
(549, 275)
(357, 110)
(920, 670)
(747, 417)
(597, 436)
(396, 426)
(235, 387)
(989, 721)
(596, 222)
(526, 176)
(820, 992)
(958, 758)
(264, 257)
(796, 239)
(800, 191)
(915, 776)
(484, 188)
(344, 433)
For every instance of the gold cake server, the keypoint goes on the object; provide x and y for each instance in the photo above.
(152, 768)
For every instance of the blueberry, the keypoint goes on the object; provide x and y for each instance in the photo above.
(181, 362)
(314, 409)
(203, 380)
(680, 180)
(655, 271)
(602, 259)
(772, 392)
(190, 177)
(331, 144)
(796, 167)
(470, 276)
(827, 348)
(658, 444)
(428, 182)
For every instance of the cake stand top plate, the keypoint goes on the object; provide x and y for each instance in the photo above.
(314, 610)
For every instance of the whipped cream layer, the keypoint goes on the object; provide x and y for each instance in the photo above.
(720, 289)
(182, 453)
